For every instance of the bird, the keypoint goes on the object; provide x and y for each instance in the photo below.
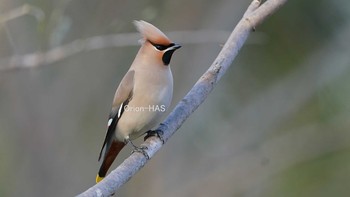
(142, 97)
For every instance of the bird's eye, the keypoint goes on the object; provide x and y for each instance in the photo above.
(160, 47)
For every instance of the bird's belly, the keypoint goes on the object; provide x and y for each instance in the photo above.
(141, 115)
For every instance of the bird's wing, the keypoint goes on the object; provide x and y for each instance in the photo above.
(122, 97)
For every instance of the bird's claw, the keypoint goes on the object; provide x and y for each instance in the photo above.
(157, 133)
(141, 149)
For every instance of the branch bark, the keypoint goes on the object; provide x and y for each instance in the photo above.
(254, 15)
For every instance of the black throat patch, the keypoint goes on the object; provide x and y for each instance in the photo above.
(167, 57)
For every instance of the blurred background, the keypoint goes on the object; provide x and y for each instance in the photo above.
(277, 124)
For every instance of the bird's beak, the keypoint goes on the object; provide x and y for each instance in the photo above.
(174, 47)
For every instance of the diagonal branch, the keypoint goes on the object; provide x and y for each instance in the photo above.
(253, 16)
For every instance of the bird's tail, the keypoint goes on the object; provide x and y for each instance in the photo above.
(108, 159)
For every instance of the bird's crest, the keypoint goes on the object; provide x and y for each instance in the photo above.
(151, 33)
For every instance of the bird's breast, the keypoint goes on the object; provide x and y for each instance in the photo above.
(152, 96)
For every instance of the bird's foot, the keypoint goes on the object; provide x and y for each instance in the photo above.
(141, 149)
(157, 133)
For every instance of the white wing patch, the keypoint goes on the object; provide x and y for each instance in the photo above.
(120, 110)
(109, 122)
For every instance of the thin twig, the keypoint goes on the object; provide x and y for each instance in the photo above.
(187, 105)
(252, 7)
(59, 53)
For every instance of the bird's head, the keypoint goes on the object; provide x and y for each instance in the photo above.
(155, 42)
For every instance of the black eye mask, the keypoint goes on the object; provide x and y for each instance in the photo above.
(161, 47)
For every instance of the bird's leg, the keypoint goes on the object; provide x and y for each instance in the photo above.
(157, 133)
(140, 149)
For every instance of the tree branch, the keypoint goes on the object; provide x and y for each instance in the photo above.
(59, 53)
(253, 16)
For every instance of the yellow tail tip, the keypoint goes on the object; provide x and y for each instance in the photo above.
(98, 178)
